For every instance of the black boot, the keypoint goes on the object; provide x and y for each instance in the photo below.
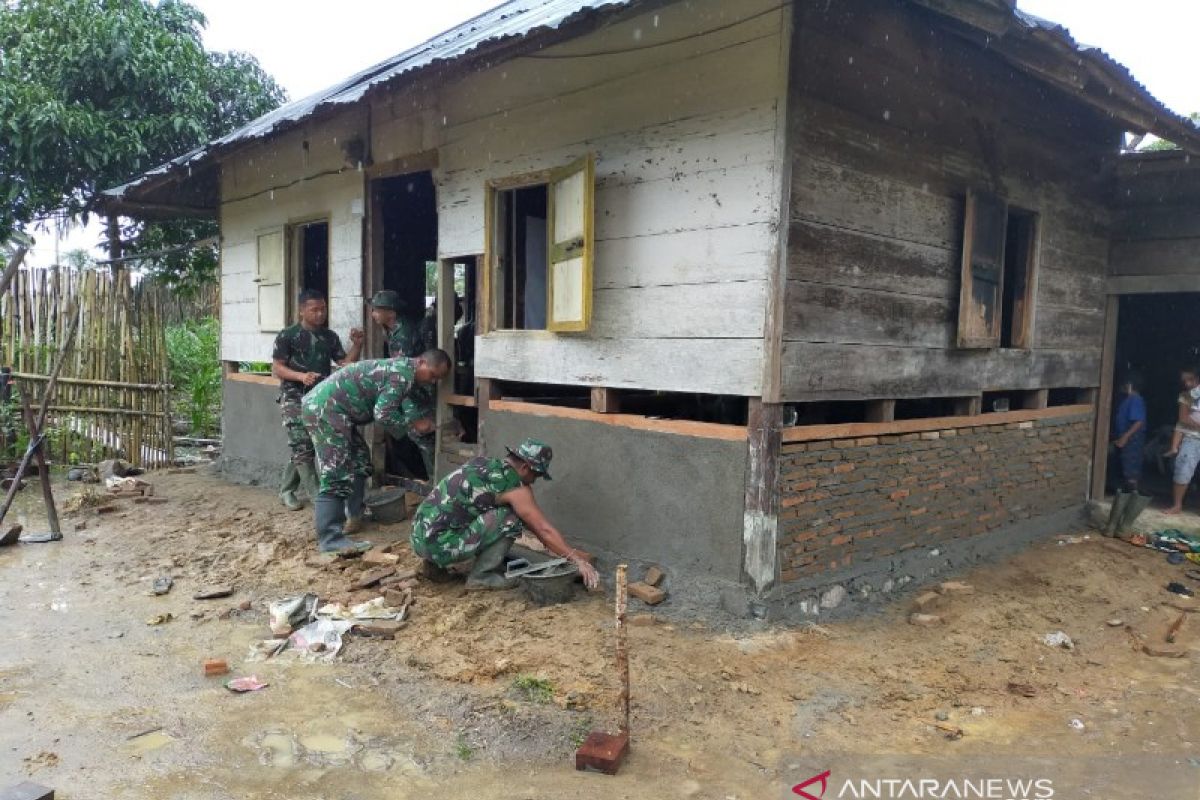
(489, 561)
(330, 514)
(354, 505)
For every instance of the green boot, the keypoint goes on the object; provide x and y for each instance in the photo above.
(1133, 509)
(485, 574)
(1119, 504)
(354, 505)
(287, 488)
(306, 475)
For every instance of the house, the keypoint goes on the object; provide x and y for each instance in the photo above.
(812, 299)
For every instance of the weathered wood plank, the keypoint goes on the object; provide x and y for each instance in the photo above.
(819, 253)
(1153, 284)
(1060, 328)
(1103, 421)
(861, 372)
(605, 400)
(664, 364)
(759, 536)
(709, 255)
(1155, 257)
(703, 310)
(821, 313)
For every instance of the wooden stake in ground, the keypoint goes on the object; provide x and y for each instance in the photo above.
(604, 752)
(39, 454)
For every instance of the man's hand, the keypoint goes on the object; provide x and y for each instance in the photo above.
(357, 336)
(1121, 442)
(311, 378)
(590, 577)
(423, 426)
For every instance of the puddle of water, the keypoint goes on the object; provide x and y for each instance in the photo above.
(324, 743)
(149, 742)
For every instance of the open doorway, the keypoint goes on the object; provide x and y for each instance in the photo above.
(404, 244)
(1156, 339)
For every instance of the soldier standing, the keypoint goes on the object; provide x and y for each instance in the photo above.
(369, 391)
(302, 357)
(480, 508)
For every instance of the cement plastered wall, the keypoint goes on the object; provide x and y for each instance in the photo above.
(254, 445)
(641, 497)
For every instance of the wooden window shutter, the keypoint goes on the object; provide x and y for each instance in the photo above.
(270, 276)
(571, 240)
(981, 298)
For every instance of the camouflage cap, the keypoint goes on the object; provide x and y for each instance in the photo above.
(386, 299)
(536, 454)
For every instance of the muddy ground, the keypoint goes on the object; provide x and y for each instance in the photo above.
(437, 711)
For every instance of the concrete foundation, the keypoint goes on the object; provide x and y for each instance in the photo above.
(642, 498)
(254, 444)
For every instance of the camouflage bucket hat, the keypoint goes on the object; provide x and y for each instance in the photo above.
(386, 299)
(536, 454)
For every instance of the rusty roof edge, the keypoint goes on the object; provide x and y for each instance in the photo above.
(506, 23)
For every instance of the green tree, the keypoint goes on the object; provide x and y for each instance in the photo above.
(1163, 144)
(94, 92)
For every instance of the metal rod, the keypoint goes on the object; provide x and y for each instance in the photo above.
(622, 648)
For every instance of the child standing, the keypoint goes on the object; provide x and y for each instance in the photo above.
(1193, 415)
(1131, 430)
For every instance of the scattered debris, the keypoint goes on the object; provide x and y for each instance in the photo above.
(1175, 587)
(1116, 622)
(955, 587)
(942, 716)
(1077, 724)
(1058, 639)
(213, 592)
(1173, 631)
(215, 666)
(146, 732)
(12, 535)
(163, 584)
(926, 601)
(320, 640)
(1163, 652)
(150, 500)
(292, 612)
(1022, 689)
(924, 620)
(26, 790)
(654, 576)
(372, 577)
(249, 683)
(380, 556)
(650, 595)
(81, 525)
(160, 619)
(44, 759)
(953, 732)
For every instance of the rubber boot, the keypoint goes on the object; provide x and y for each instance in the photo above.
(485, 574)
(1133, 509)
(307, 474)
(287, 488)
(1119, 504)
(433, 573)
(354, 505)
(330, 515)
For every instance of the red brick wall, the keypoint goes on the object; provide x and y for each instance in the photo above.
(846, 502)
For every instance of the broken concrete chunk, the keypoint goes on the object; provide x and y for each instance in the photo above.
(372, 577)
(654, 576)
(382, 628)
(650, 595)
(926, 601)
(380, 556)
(925, 620)
(213, 592)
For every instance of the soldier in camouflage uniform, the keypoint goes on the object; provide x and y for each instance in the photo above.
(480, 508)
(407, 336)
(369, 391)
(302, 357)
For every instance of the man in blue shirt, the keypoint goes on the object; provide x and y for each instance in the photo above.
(1130, 430)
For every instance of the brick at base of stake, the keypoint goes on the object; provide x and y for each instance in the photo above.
(602, 752)
(215, 666)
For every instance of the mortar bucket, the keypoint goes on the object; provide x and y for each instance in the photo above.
(388, 506)
(554, 586)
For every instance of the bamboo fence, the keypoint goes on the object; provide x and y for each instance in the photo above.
(113, 398)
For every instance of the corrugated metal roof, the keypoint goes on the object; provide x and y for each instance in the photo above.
(512, 20)
(521, 18)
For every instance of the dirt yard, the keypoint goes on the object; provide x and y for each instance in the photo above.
(486, 695)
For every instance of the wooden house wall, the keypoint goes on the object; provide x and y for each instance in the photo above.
(1156, 239)
(894, 118)
(683, 124)
(298, 176)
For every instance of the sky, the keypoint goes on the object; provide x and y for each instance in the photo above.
(310, 44)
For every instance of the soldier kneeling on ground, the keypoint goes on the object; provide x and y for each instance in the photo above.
(480, 508)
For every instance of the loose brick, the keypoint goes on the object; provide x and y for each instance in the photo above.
(926, 601)
(215, 666)
(650, 595)
(924, 620)
(955, 587)
(654, 576)
(372, 577)
(380, 556)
